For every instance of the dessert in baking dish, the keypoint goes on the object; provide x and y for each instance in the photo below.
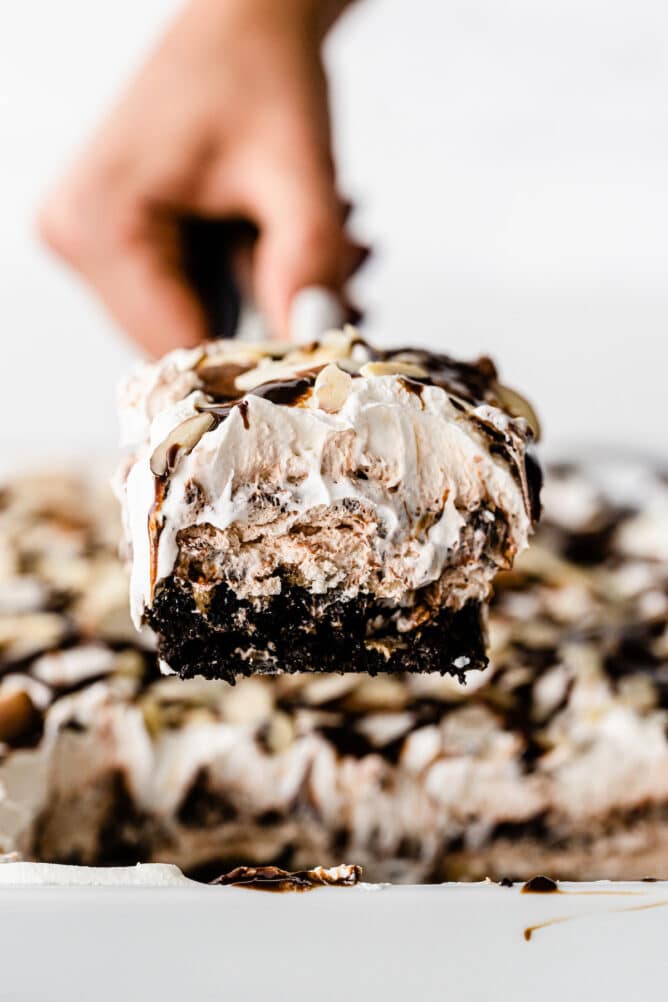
(554, 759)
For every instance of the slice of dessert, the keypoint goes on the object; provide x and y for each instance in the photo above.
(327, 507)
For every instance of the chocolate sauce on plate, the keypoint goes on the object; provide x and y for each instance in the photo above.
(540, 885)
(278, 881)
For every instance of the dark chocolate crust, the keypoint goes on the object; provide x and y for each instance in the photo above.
(297, 631)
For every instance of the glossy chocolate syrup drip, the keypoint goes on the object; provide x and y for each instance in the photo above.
(287, 392)
(472, 381)
(412, 386)
(540, 885)
(155, 528)
(219, 381)
(500, 445)
(243, 410)
(278, 881)
(534, 479)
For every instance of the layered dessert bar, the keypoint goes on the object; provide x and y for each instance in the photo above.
(554, 759)
(328, 507)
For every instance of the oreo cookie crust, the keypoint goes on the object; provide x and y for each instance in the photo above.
(299, 632)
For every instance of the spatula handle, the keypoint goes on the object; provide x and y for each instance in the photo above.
(208, 246)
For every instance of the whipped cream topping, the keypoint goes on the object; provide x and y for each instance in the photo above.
(412, 453)
(16, 873)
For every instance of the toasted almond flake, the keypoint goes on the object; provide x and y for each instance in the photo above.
(280, 732)
(332, 388)
(180, 441)
(518, 406)
(397, 368)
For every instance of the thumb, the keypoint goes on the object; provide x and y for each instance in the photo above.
(302, 244)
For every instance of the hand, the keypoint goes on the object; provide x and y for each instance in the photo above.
(228, 118)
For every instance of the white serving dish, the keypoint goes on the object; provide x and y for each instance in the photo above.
(453, 941)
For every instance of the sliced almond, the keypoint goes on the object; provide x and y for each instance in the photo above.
(249, 702)
(243, 352)
(332, 388)
(267, 372)
(73, 665)
(379, 693)
(334, 346)
(180, 441)
(398, 368)
(23, 636)
(518, 406)
(280, 733)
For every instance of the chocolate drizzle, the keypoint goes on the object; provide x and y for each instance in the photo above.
(534, 481)
(219, 381)
(286, 392)
(531, 929)
(540, 885)
(243, 410)
(413, 386)
(472, 381)
(155, 523)
(278, 881)
(528, 477)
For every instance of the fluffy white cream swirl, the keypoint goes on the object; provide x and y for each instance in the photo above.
(411, 468)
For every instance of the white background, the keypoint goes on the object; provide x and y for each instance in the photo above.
(510, 161)
(464, 941)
